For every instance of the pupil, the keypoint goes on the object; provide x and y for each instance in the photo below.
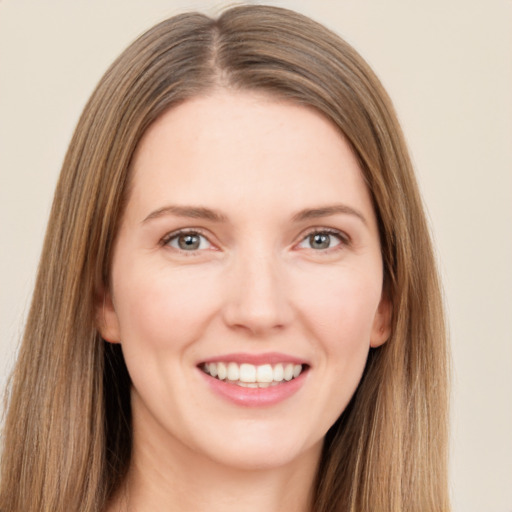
(320, 241)
(188, 242)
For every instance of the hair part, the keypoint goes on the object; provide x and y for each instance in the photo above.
(67, 434)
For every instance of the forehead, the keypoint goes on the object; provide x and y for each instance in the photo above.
(229, 146)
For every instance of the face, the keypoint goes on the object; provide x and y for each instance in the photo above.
(246, 284)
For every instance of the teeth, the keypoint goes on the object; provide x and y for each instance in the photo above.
(222, 371)
(249, 375)
(233, 371)
(254, 384)
(264, 374)
(278, 372)
(247, 372)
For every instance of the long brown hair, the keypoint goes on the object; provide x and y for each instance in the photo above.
(67, 434)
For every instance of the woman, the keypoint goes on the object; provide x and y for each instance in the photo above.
(237, 303)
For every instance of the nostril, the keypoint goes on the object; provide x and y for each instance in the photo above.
(257, 301)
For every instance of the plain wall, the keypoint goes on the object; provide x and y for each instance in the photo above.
(448, 68)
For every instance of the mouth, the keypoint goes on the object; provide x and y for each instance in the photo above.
(253, 376)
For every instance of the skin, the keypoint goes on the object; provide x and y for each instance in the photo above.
(256, 284)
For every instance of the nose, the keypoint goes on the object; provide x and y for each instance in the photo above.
(257, 295)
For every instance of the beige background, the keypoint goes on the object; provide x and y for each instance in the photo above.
(448, 67)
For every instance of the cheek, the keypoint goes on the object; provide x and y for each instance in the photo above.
(339, 311)
(344, 304)
(162, 309)
(340, 317)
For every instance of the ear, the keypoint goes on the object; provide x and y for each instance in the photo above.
(107, 322)
(381, 329)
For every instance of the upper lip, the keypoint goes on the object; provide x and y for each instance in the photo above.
(255, 359)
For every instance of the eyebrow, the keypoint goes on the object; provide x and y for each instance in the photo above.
(191, 212)
(199, 212)
(326, 211)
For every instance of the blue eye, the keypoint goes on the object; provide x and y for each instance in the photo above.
(321, 240)
(188, 241)
(192, 241)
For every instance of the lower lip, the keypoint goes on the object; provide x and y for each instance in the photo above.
(255, 397)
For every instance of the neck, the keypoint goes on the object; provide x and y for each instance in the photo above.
(186, 481)
(218, 489)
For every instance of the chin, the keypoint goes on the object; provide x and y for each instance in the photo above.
(250, 452)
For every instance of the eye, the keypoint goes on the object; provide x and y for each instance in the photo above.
(322, 240)
(187, 241)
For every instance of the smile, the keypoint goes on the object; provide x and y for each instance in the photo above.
(252, 376)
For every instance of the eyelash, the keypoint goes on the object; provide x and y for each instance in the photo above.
(344, 240)
(183, 232)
